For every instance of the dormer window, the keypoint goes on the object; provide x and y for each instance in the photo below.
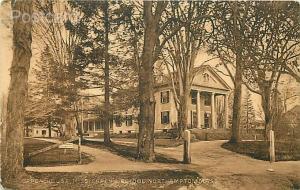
(164, 97)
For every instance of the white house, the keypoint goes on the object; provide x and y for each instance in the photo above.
(39, 131)
(208, 107)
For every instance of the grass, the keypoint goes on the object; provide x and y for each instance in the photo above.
(128, 151)
(52, 157)
(284, 150)
(166, 179)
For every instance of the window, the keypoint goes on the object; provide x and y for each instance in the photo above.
(43, 132)
(98, 126)
(118, 120)
(207, 100)
(128, 120)
(194, 119)
(164, 97)
(37, 131)
(206, 120)
(194, 97)
(165, 117)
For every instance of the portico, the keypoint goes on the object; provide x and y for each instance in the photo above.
(200, 110)
(207, 108)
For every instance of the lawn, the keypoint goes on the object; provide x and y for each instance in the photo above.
(52, 157)
(158, 179)
(284, 150)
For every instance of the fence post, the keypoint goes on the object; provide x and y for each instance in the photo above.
(272, 146)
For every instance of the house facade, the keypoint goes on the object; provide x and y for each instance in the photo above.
(124, 122)
(40, 131)
(207, 107)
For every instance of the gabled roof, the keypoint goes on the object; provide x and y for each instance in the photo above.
(199, 70)
(208, 67)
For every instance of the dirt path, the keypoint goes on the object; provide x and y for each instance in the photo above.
(227, 169)
(234, 170)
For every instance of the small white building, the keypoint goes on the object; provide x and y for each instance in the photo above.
(39, 131)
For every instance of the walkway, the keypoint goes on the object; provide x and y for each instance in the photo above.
(212, 159)
(227, 169)
(103, 160)
(230, 170)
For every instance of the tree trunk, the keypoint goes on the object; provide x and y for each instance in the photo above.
(237, 99)
(49, 127)
(145, 148)
(12, 166)
(266, 105)
(183, 114)
(78, 124)
(146, 118)
(185, 109)
(106, 77)
(69, 129)
(237, 102)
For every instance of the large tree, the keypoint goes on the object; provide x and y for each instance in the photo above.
(182, 49)
(272, 50)
(155, 22)
(43, 106)
(227, 44)
(96, 28)
(152, 18)
(12, 165)
(58, 45)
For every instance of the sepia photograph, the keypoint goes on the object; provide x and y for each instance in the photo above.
(133, 94)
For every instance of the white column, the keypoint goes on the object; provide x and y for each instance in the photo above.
(94, 126)
(213, 112)
(198, 110)
(226, 110)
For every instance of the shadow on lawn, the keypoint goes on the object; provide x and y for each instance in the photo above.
(284, 150)
(53, 157)
(128, 151)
